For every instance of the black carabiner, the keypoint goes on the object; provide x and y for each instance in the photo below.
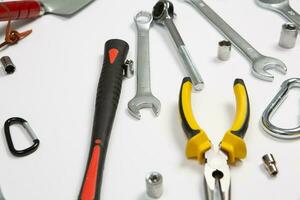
(25, 125)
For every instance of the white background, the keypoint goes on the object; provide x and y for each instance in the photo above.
(54, 88)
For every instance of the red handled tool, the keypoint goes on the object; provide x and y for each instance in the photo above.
(27, 9)
(108, 95)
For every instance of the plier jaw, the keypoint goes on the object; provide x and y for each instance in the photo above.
(217, 175)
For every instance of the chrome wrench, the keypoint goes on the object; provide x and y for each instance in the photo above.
(163, 13)
(282, 7)
(260, 63)
(144, 97)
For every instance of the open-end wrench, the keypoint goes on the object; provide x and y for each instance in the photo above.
(144, 97)
(282, 7)
(260, 63)
(163, 13)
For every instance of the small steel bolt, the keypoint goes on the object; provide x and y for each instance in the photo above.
(8, 65)
(154, 185)
(270, 164)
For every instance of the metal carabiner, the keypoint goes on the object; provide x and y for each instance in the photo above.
(273, 130)
(25, 125)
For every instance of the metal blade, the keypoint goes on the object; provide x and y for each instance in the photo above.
(64, 7)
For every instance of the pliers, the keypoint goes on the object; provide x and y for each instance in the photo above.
(231, 149)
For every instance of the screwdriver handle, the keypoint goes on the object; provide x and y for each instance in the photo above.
(13, 10)
(108, 94)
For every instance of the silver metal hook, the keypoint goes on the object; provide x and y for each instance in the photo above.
(273, 130)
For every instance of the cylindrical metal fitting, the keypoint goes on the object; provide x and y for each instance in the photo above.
(8, 65)
(288, 36)
(270, 164)
(154, 185)
(224, 50)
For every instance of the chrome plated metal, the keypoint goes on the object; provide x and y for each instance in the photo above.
(63, 7)
(154, 185)
(260, 63)
(1, 195)
(282, 7)
(8, 65)
(163, 14)
(128, 69)
(224, 50)
(288, 37)
(144, 97)
(283, 133)
(217, 176)
(270, 164)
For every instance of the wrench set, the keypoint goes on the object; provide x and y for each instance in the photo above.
(217, 160)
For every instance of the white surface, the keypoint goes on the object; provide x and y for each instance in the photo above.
(54, 88)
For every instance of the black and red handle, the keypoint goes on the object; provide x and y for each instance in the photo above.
(13, 10)
(107, 100)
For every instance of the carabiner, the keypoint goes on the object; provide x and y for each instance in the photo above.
(25, 125)
(273, 130)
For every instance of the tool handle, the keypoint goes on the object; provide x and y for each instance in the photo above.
(107, 100)
(13, 10)
(198, 142)
(233, 143)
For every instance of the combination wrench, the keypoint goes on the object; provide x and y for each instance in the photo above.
(260, 63)
(163, 13)
(144, 97)
(282, 7)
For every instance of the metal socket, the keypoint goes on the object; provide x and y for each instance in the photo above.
(270, 164)
(154, 185)
(8, 65)
(224, 50)
(288, 37)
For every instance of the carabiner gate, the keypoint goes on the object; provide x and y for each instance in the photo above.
(26, 126)
(273, 130)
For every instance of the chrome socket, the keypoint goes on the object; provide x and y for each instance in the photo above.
(270, 164)
(288, 37)
(8, 65)
(224, 50)
(154, 185)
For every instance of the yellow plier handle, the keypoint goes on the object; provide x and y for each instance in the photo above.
(232, 142)
(198, 141)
